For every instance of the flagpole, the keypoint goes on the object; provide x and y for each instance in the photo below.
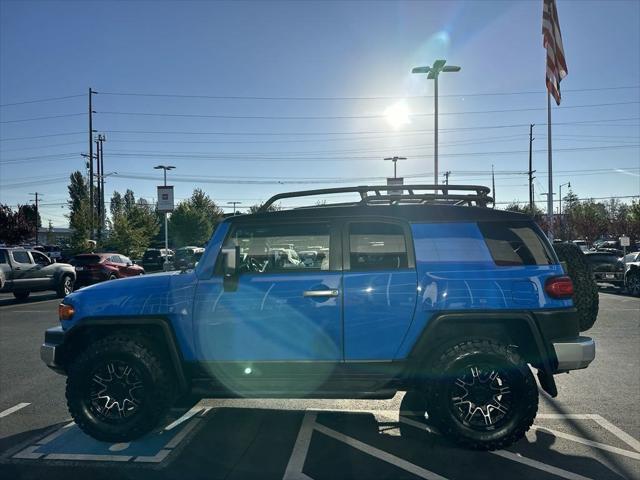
(550, 171)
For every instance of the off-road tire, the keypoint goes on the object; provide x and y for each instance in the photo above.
(632, 283)
(585, 296)
(21, 295)
(65, 286)
(156, 376)
(523, 404)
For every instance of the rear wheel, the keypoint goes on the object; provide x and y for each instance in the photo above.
(585, 297)
(112, 277)
(633, 283)
(65, 287)
(119, 389)
(21, 295)
(486, 397)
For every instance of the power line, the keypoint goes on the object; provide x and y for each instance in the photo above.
(390, 97)
(41, 136)
(48, 117)
(369, 132)
(343, 117)
(51, 99)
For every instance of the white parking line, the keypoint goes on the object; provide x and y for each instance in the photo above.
(381, 454)
(193, 411)
(300, 448)
(585, 441)
(13, 409)
(624, 436)
(516, 457)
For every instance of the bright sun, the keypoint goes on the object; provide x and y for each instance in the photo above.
(397, 115)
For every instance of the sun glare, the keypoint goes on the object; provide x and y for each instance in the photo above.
(397, 115)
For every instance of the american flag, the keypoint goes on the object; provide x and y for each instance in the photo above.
(552, 41)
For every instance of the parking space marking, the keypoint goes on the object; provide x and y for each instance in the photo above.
(381, 454)
(516, 457)
(13, 409)
(70, 443)
(192, 412)
(300, 448)
(585, 441)
(622, 435)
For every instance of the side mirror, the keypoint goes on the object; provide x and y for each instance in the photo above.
(230, 263)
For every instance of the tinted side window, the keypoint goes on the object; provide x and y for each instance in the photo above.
(3, 257)
(279, 248)
(516, 243)
(39, 258)
(21, 256)
(377, 246)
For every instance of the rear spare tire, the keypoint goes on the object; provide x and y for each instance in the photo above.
(585, 296)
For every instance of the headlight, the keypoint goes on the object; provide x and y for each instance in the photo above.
(65, 312)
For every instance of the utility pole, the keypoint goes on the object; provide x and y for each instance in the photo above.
(102, 216)
(37, 194)
(97, 199)
(234, 205)
(395, 161)
(493, 185)
(91, 198)
(446, 177)
(531, 171)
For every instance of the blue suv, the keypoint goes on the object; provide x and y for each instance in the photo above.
(416, 288)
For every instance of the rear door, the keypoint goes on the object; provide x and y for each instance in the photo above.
(283, 309)
(380, 284)
(22, 270)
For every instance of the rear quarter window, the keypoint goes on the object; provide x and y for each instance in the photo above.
(516, 244)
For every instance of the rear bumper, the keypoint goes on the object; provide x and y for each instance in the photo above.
(614, 278)
(51, 349)
(574, 354)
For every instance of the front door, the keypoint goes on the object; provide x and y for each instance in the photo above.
(287, 304)
(22, 266)
(380, 288)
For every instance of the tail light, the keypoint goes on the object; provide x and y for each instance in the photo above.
(559, 287)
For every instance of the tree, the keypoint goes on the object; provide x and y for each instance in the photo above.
(79, 211)
(588, 219)
(132, 224)
(193, 220)
(15, 227)
(50, 235)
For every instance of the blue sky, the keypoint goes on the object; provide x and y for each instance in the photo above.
(328, 55)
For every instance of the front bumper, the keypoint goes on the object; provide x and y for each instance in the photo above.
(575, 353)
(50, 351)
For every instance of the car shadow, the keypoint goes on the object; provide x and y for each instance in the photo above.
(248, 443)
(33, 298)
(604, 288)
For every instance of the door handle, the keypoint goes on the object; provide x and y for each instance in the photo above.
(320, 293)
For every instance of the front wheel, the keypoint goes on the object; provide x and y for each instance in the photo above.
(65, 287)
(633, 284)
(486, 397)
(119, 389)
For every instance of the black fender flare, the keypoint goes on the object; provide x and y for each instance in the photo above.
(161, 323)
(447, 327)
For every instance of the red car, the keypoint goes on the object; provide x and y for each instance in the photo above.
(97, 267)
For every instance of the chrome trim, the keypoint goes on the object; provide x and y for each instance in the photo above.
(320, 293)
(574, 354)
(48, 356)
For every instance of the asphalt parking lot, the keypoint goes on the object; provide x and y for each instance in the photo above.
(590, 430)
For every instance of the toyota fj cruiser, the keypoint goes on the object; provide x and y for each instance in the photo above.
(416, 288)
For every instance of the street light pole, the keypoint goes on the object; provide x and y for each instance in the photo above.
(433, 72)
(395, 161)
(166, 222)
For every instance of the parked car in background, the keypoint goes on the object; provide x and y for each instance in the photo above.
(98, 267)
(607, 267)
(583, 244)
(153, 259)
(632, 273)
(611, 251)
(23, 271)
(187, 257)
(54, 252)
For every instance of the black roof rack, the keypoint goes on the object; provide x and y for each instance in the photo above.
(470, 195)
